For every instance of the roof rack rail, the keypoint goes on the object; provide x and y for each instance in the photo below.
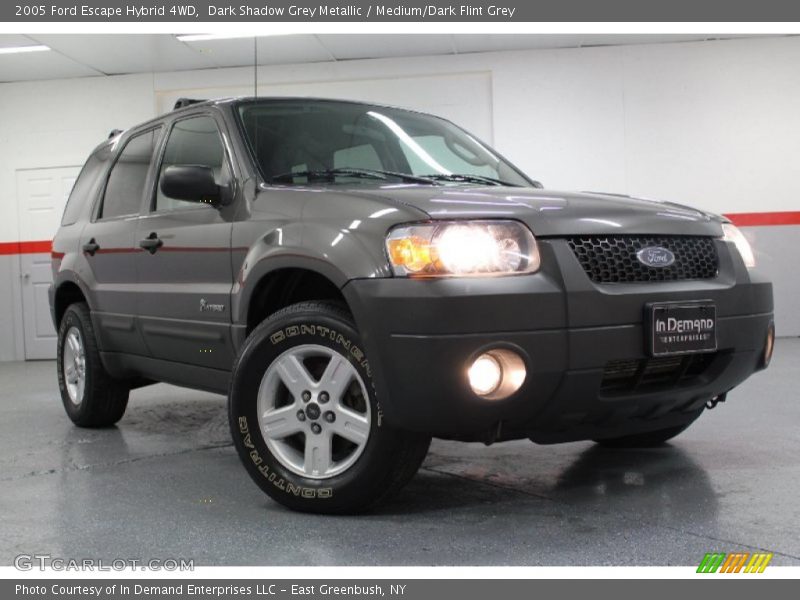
(114, 133)
(184, 102)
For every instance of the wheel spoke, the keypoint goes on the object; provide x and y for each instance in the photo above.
(294, 375)
(279, 423)
(71, 373)
(317, 459)
(74, 344)
(351, 425)
(337, 376)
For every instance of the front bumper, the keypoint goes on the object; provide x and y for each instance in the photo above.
(420, 335)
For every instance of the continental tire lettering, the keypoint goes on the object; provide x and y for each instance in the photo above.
(243, 425)
(292, 331)
(277, 337)
(248, 441)
(304, 492)
(308, 329)
(324, 331)
(340, 339)
(254, 456)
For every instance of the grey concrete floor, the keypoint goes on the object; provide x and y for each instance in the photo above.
(167, 483)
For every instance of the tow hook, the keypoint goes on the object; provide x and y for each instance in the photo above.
(716, 400)
(492, 435)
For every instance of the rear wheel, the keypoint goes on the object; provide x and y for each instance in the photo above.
(91, 397)
(644, 440)
(305, 418)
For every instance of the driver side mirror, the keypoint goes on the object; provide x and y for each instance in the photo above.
(193, 183)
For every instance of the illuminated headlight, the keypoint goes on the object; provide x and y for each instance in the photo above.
(731, 233)
(462, 248)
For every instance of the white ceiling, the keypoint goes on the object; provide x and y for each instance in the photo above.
(93, 55)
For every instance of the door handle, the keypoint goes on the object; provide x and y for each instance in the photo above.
(91, 247)
(151, 243)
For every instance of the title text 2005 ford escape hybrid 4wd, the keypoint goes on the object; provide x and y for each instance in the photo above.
(359, 278)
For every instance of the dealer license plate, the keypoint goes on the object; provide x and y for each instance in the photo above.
(682, 327)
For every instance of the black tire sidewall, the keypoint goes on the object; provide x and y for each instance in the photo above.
(348, 491)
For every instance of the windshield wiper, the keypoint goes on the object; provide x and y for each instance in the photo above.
(468, 178)
(331, 174)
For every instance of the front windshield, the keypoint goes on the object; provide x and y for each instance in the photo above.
(309, 141)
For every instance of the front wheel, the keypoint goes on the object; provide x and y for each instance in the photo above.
(305, 419)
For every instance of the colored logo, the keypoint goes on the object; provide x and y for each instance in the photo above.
(738, 562)
(655, 256)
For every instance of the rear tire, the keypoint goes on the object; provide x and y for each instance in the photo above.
(91, 397)
(305, 419)
(644, 440)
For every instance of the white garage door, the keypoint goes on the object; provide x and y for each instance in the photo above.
(41, 196)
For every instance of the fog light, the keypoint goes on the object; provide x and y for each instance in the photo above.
(485, 375)
(769, 346)
(496, 374)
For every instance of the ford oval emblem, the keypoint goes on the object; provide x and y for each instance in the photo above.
(655, 256)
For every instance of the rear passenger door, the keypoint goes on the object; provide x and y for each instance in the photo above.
(185, 283)
(108, 244)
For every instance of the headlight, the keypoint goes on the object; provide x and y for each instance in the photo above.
(462, 248)
(731, 233)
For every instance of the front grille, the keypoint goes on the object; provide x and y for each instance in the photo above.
(654, 374)
(612, 259)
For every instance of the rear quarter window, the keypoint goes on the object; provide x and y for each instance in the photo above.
(85, 187)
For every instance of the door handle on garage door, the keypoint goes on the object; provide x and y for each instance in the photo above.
(151, 243)
(91, 247)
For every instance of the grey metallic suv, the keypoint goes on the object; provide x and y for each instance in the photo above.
(359, 278)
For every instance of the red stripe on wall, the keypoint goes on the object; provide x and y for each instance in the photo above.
(764, 218)
(39, 247)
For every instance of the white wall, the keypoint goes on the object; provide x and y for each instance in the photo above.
(713, 124)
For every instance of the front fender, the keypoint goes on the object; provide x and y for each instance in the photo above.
(339, 255)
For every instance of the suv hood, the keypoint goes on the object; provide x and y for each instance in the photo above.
(553, 213)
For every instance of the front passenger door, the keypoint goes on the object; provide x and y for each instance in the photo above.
(185, 277)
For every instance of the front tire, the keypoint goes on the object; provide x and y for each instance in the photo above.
(91, 397)
(305, 419)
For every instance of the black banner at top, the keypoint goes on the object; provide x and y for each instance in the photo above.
(254, 11)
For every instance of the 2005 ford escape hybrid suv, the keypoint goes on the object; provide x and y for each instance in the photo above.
(359, 278)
